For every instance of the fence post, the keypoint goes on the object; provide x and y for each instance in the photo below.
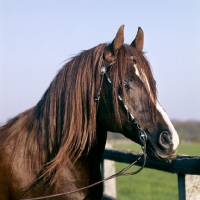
(181, 187)
(192, 187)
(108, 170)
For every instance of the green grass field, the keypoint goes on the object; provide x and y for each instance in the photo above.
(150, 184)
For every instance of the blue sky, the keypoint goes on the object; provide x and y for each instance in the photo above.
(37, 36)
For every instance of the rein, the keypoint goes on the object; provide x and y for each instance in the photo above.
(120, 173)
(141, 133)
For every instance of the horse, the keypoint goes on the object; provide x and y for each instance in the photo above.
(57, 145)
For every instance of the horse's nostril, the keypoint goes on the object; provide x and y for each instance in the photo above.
(165, 137)
(165, 140)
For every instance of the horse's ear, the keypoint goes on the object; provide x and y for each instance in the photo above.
(118, 41)
(138, 42)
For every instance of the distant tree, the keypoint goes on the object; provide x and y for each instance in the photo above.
(189, 131)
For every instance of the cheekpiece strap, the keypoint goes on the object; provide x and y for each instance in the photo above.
(103, 71)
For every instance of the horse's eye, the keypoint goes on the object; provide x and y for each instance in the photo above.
(126, 85)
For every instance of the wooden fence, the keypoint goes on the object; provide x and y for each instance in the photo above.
(183, 166)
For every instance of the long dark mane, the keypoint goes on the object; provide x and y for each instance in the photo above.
(63, 123)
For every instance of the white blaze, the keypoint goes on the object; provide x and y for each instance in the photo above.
(175, 138)
(138, 74)
(136, 70)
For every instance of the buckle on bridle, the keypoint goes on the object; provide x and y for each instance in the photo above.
(103, 70)
(143, 136)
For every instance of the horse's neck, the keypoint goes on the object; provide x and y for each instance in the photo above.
(97, 150)
(94, 160)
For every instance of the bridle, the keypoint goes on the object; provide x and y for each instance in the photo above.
(141, 133)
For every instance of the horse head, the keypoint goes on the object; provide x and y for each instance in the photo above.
(131, 78)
